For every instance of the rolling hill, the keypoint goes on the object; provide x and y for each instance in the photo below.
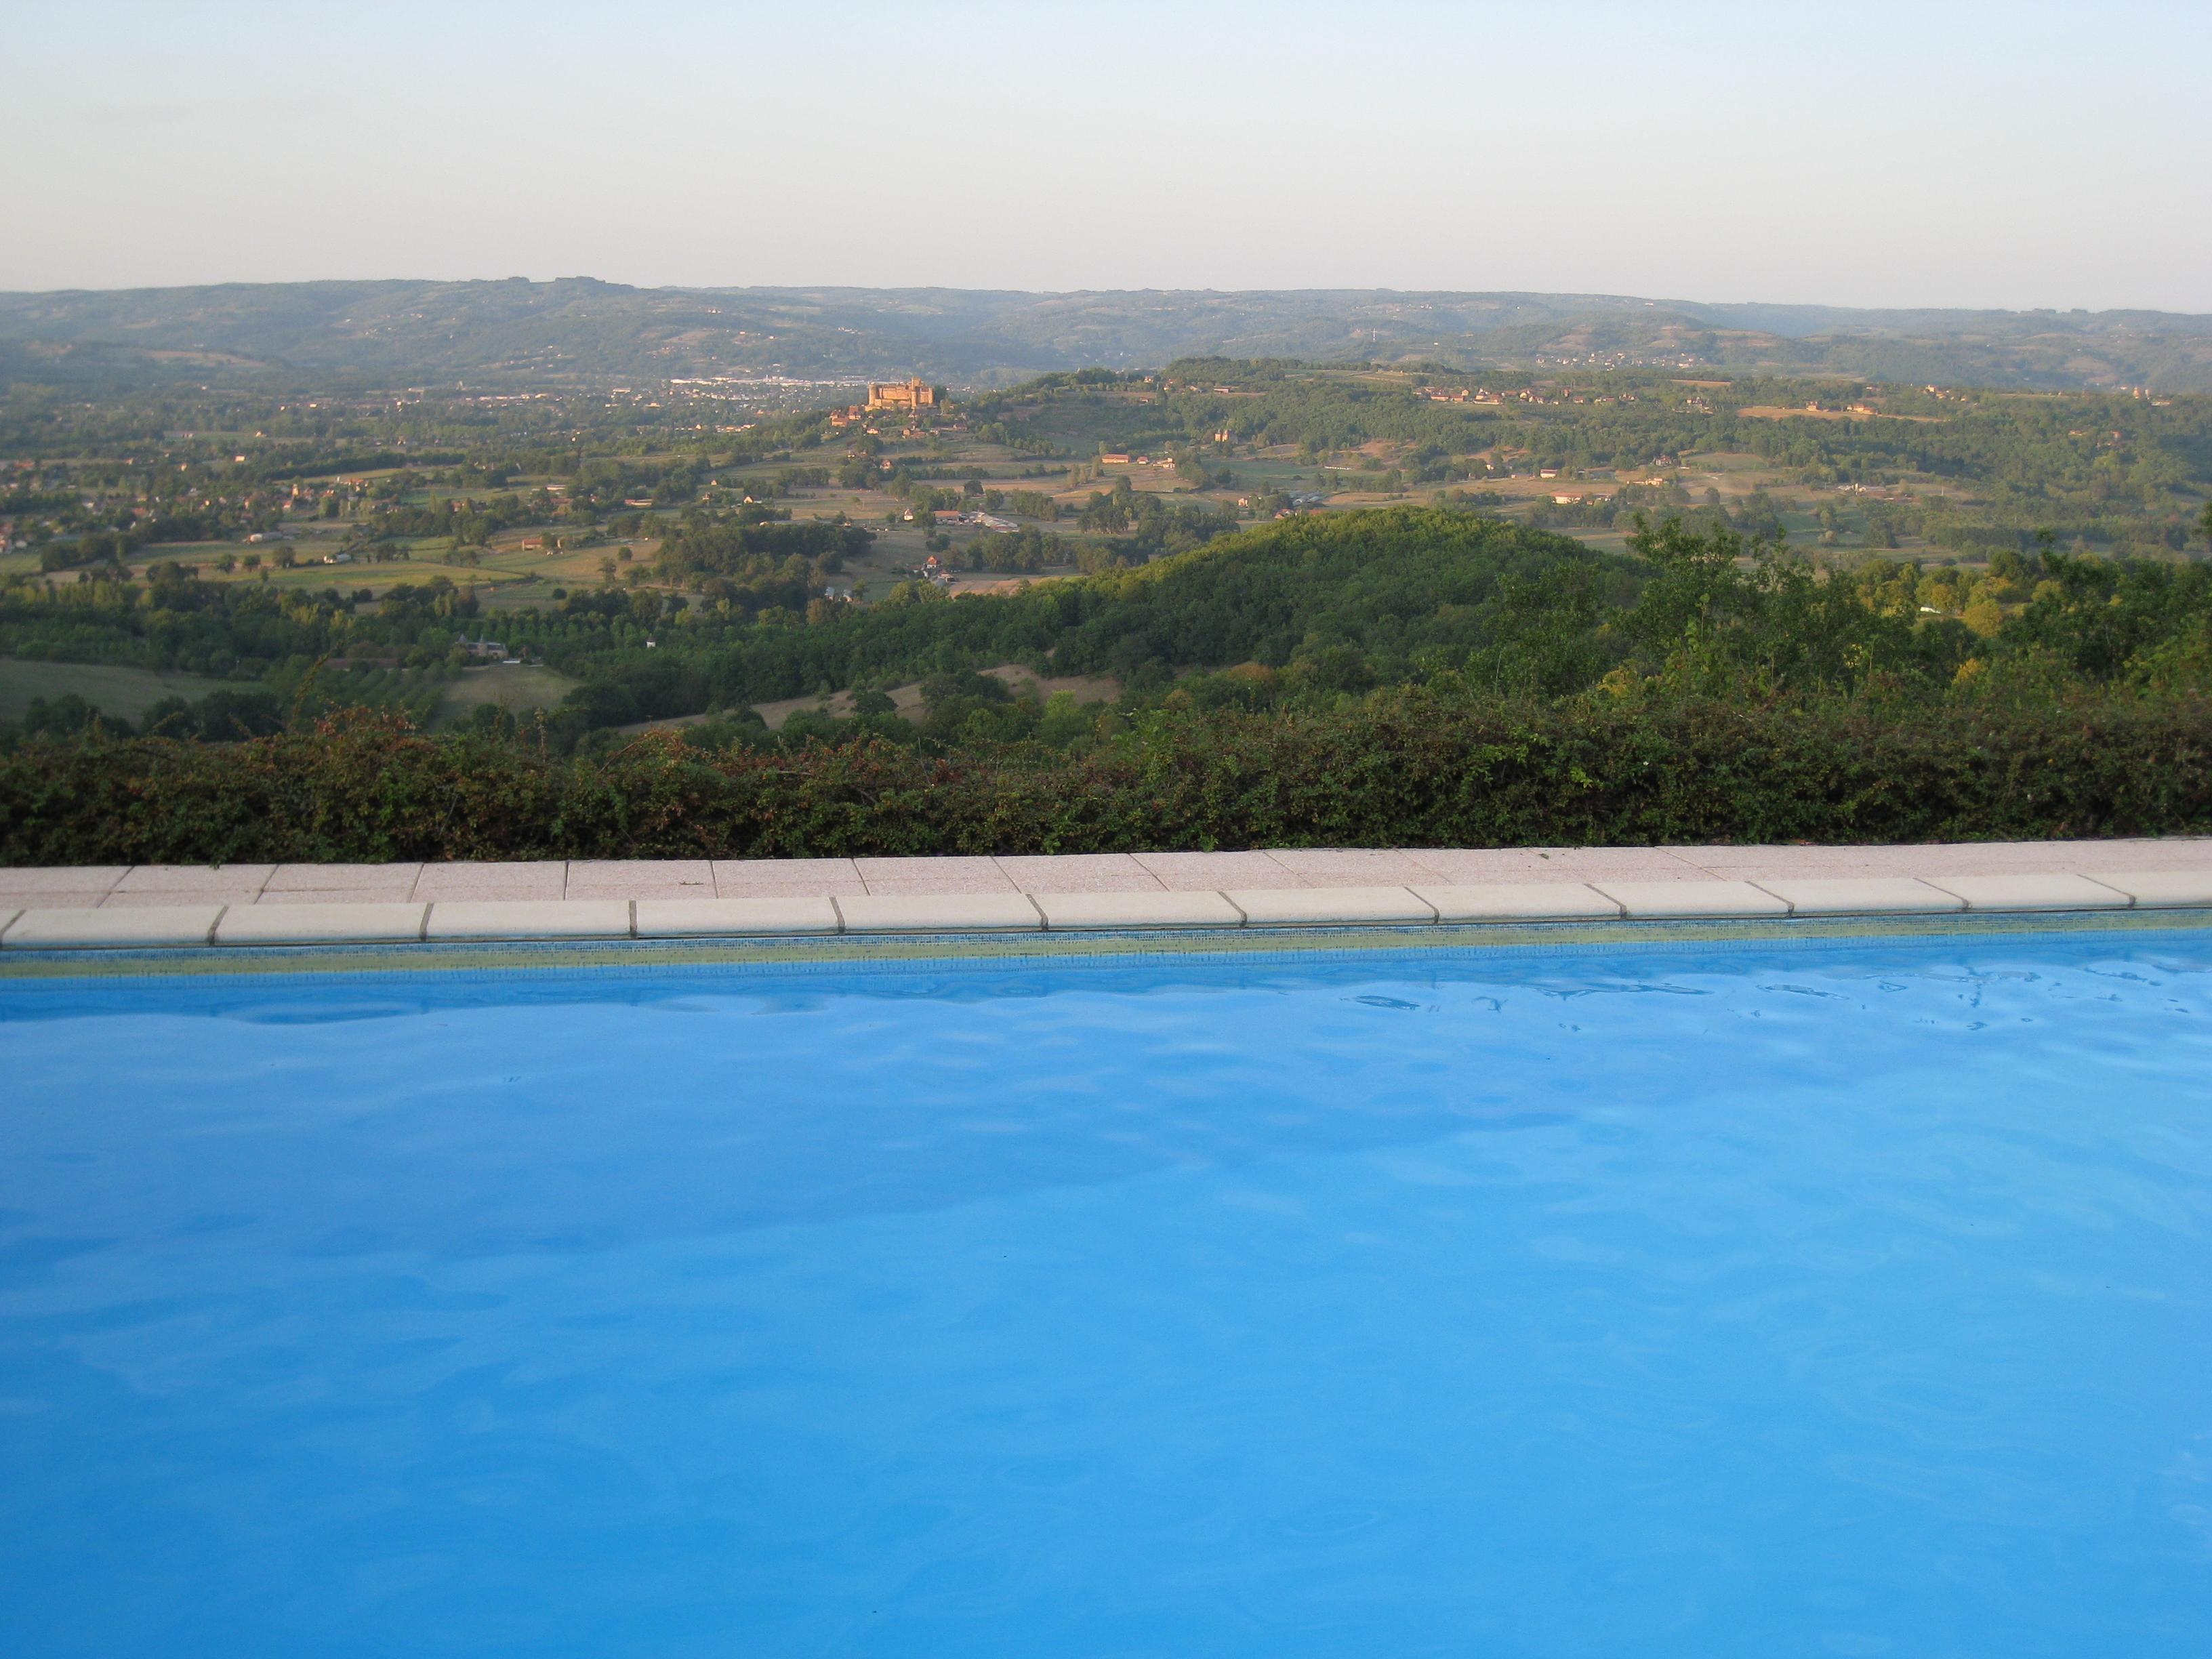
(580, 329)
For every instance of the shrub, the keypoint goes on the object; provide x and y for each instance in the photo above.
(1399, 769)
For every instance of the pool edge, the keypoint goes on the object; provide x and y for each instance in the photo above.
(200, 962)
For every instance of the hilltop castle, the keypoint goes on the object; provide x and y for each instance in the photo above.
(915, 394)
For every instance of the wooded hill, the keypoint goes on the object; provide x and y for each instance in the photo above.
(399, 331)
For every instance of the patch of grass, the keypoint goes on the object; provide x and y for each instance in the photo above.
(126, 693)
(516, 689)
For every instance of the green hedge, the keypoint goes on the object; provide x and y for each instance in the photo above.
(1404, 769)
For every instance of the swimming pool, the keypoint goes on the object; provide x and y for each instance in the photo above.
(1715, 1300)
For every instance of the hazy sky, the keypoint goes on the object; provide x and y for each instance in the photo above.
(1851, 152)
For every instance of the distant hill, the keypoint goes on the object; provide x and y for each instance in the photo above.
(398, 332)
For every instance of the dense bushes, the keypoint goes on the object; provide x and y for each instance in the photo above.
(1406, 768)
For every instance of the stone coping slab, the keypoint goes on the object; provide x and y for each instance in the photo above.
(733, 918)
(393, 880)
(195, 878)
(1329, 906)
(1643, 900)
(67, 878)
(153, 924)
(2031, 892)
(2157, 889)
(318, 924)
(1862, 895)
(466, 919)
(1122, 909)
(1519, 901)
(940, 913)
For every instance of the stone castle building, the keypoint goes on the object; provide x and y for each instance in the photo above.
(915, 394)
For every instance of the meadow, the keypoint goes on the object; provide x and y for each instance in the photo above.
(129, 692)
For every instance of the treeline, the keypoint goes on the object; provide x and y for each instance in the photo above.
(219, 717)
(113, 547)
(295, 698)
(229, 629)
(468, 522)
(747, 567)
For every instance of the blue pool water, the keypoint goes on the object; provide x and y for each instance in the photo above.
(1734, 1301)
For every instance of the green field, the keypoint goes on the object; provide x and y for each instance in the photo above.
(517, 690)
(127, 693)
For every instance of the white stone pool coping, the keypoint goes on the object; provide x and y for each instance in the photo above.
(148, 906)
